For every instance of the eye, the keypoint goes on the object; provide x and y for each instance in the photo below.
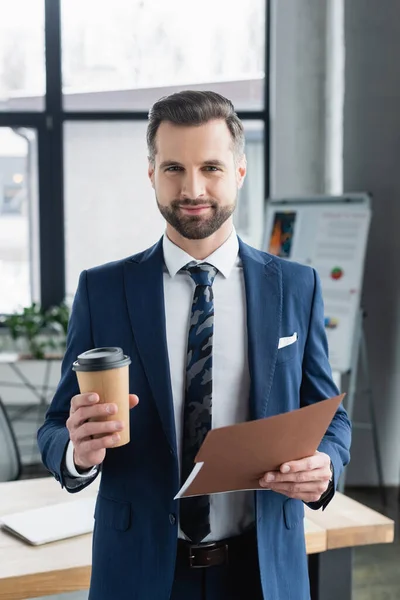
(211, 169)
(173, 169)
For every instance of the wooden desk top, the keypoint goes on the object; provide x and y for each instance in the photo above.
(316, 540)
(349, 523)
(29, 571)
(64, 566)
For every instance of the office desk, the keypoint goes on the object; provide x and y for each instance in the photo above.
(29, 571)
(64, 566)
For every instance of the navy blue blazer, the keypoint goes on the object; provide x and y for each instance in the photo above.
(135, 535)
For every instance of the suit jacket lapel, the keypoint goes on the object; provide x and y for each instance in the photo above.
(144, 290)
(263, 283)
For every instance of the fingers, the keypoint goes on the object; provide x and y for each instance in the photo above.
(317, 461)
(98, 411)
(89, 418)
(87, 447)
(133, 400)
(83, 400)
(92, 428)
(302, 477)
(91, 399)
(306, 479)
(307, 485)
(84, 413)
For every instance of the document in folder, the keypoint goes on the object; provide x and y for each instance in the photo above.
(235, 458)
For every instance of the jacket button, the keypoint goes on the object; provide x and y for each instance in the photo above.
(172, 519)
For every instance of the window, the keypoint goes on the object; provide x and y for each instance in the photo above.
(117, 55)
(249, 214)
(109, 62)
(22, 63)
(110, 211)
(18, 218)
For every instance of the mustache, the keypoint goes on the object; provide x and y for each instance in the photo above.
(192, 203)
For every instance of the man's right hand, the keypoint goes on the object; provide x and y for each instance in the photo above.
(89, 452)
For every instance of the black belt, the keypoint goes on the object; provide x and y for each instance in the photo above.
(213, 554)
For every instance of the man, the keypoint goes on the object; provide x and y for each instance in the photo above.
(201, 315)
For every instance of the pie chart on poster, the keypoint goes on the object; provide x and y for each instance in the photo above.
(337, 273)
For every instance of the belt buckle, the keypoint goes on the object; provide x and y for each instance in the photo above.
(210, 546)
(192, 553)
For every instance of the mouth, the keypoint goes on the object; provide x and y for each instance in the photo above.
(195, 210)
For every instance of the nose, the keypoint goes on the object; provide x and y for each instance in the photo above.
(192, 186)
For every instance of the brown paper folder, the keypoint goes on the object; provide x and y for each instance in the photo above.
(235, 458)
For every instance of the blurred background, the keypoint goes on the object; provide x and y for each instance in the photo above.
(317, 85)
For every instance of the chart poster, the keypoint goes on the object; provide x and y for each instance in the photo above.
(329, 234)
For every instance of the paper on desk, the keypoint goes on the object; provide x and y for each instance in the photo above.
(234, 458)
(53, 522)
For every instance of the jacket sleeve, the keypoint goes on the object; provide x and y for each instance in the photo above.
(53, 435)
(317, 384)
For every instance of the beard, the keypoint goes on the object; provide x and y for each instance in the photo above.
(196, 227)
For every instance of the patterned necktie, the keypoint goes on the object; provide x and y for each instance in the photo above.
(195, 512)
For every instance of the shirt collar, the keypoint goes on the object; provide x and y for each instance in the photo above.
(222, 259)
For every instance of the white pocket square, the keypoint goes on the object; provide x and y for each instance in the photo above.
(286, 341)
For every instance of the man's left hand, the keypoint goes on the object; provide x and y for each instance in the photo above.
(306, 479)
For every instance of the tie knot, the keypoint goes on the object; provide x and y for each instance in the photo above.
(202, 273)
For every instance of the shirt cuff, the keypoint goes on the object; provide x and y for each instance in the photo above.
(70, 465)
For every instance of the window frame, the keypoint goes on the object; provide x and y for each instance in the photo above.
(49, 126)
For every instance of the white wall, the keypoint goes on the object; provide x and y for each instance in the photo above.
(371, 162)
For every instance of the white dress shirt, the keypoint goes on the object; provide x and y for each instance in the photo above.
(230, 513)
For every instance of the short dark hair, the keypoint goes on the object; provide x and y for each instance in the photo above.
(194, 108)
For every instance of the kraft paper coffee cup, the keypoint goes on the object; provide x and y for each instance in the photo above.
(105, 371)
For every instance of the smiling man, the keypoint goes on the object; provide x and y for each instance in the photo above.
(197, 197)
(202, 316)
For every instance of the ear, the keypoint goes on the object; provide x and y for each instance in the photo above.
(150, 172)
(241, 170)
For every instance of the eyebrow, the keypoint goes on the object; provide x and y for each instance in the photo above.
(208, 163)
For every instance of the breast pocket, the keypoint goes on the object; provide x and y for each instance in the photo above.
(287, 353)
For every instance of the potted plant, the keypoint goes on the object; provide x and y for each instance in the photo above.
(43, 332)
